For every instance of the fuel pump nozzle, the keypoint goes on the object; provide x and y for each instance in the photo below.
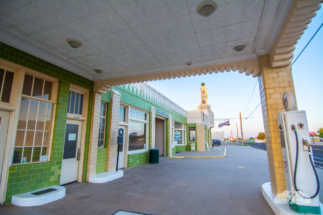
(307, 145)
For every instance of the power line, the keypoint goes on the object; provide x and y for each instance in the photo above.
(252, 111)
(250, 96)
(307, 44)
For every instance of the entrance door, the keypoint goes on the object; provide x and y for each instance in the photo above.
(159, 136)
(121, 149)
(72, 152)
(4, 120)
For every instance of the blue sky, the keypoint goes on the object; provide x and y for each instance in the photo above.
(231, 92)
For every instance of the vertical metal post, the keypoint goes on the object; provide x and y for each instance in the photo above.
(241, 129)
(117, 158)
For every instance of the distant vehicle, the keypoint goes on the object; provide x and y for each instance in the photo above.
(216, 142)
(321, 139)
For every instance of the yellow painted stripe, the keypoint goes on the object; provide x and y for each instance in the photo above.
(176, 157)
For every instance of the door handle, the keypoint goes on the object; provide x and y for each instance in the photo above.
(78, 154)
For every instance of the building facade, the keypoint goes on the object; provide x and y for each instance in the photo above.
(56, 130)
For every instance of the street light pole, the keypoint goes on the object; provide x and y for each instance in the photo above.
(241, 129)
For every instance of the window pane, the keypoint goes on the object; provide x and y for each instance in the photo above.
(103, 109)
(47, 90)
(49, 109)
(29, 138)
(22, 121)
(7, 87)
(121, 114)
(100, 144)
(137, 136)
(38, 138)
(24, 105)
(38, 88)
(36, 154)
(28, 82)
(20, 138)
(46, 139)
(33, 106)
(40, 123)
(31, 122)
(77, 103)
(178, 137)
(42, 108)
(1, 78)
(72, 102)
(17, 155)
(81, 104)
(27, 155)
(48, 125)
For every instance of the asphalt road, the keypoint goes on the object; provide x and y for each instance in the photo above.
(317, 152)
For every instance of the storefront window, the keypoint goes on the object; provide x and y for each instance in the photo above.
(178, 137)
(191, 134)
(179, 133)
(34, 129)
(137, 135)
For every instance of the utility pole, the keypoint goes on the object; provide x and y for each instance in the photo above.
(241, 129)
(237, 132)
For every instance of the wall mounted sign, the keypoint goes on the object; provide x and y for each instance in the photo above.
(161, 112)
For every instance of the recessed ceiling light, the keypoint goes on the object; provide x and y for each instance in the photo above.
(206, 8)
(74, 43)
(239, 47)
(98, 70)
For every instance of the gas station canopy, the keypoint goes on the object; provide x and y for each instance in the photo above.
(150, 40)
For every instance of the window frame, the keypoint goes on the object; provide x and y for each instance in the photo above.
(146, 122)
(52, 100)
(183, 130)
(105, 123)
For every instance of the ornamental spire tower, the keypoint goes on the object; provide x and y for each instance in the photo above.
(203, 105)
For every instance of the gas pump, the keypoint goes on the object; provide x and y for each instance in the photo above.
(302, 181)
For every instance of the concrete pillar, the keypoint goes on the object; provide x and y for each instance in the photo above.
(113, 130)
(272, 84)
(200, 137)
(94, 135)
(152, 127)
(170, 141)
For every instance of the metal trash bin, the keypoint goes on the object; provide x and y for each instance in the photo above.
(192, 147)
(154, 156)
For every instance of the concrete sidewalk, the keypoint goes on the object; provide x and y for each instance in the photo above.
(174, 186)
(212, 153)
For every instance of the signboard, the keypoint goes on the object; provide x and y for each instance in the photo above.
(120, 136)
(312, 133)
(161, 112)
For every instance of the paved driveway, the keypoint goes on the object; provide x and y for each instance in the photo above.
(230, 185)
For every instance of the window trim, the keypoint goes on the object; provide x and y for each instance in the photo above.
(147, 129)
(183, 130)
(53, 101)
(105, 123)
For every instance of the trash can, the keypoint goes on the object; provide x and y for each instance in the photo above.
(154, 156)
(192, 147)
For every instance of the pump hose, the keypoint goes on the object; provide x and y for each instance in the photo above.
(296, 162)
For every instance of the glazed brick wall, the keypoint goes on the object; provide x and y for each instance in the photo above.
(29, 177)
(137, 159)
(180, 148)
